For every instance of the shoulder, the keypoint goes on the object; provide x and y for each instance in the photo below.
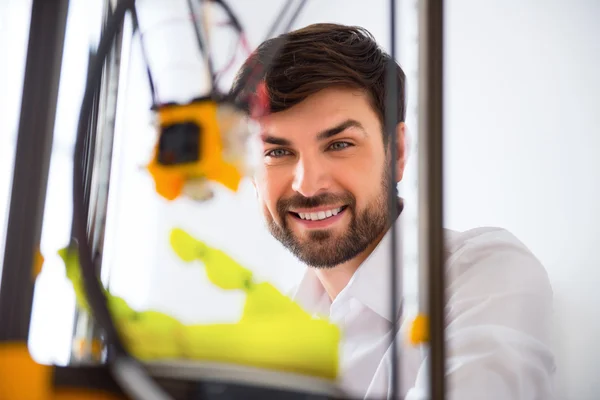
(491, 252)
(493, 279)
(490, 238)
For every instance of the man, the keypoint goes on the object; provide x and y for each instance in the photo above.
(323, 190)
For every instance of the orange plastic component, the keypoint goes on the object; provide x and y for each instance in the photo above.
(38, 262)
(170, 179)
(419, 332)
(95, 348)
(21, 378)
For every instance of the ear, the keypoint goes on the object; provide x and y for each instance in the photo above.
(400, 150)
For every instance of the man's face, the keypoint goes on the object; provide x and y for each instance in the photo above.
(324, 185)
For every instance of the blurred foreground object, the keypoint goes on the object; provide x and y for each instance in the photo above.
(260, 339)
(199, 143)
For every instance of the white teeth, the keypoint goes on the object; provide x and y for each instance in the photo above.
(316, 216)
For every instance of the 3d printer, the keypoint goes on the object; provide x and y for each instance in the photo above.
(199, 143)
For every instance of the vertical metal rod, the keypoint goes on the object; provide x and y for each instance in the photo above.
(100, 182)
(391, 121)
(431, 184)
(32, 162)
(82, 319)
(98, 170)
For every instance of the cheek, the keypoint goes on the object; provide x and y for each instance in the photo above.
(270, 188)
(362, 178)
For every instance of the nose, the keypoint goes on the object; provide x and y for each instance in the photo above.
(310, 178)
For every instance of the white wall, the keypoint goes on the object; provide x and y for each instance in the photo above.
(522, 116)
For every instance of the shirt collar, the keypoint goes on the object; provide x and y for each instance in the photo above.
(370, 284)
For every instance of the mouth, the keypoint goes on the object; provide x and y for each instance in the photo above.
(319, 218)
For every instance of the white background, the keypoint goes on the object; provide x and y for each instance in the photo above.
(522, 117)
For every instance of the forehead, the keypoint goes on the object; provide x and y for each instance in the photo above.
(320, 111)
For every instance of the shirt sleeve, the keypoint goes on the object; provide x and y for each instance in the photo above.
(499, 309)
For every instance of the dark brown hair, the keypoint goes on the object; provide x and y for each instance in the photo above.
(300, 63)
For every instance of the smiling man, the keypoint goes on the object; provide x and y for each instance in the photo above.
(323, 189)
(322, 202)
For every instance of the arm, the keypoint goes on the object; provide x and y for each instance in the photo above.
(499, 308)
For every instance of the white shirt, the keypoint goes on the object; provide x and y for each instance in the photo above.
(499, 307)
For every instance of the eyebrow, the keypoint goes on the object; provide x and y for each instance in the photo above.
(326, 134)
(274, 140)
(349, 123)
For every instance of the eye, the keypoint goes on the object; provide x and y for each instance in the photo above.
(277, 153)
(339, 146)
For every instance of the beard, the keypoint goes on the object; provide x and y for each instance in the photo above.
(327, 248)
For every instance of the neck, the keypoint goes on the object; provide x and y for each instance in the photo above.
(334, 280)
